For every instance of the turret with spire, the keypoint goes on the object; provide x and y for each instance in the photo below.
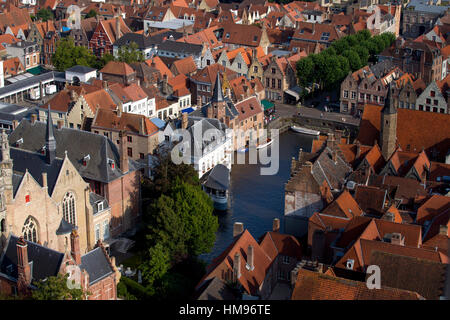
(388, 127)
(50, 142)
(218, 101)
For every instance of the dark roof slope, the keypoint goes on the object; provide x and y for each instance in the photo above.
(96, 265)
(44, 262)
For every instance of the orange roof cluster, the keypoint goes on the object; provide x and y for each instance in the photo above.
(132, 123)
(311, 285)
(117, 68)
(157, 63)
(264, 253)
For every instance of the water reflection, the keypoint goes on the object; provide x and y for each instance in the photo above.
(256, 200)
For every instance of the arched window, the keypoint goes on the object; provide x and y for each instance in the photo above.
(69, 212)
(30, 230)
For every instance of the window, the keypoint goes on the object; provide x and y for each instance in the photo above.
(267, 82)
(97, 232)
(30, 230)
(279, 84)
(130, 152)
(273, 83)
(273, 71)
(286, 260)
(353, 95)
(99, 206)
(432, 93)
(141, 155)
(345, 94)
(239, 65)
(350, 263)
(129, 138)
(68, 206)
(435, 102)
(255, 69)
(105, 229)
(27, 198)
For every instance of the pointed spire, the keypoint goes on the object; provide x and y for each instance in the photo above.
(50, 142)
(389, 105)
(217, 94)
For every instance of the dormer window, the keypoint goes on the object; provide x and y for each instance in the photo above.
(350, 264)
(99, 205)
(111, 163)
(86, 159)
(19, 142)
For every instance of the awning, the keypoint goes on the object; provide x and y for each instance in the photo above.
(292, 93)
(267, 104)
(187, 110)
(37, 70)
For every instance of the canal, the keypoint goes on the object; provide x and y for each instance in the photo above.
(255, 200)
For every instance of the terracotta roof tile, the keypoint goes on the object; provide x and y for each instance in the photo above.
(117, 68)
(108, 119)
(157, 63)
(311, 285)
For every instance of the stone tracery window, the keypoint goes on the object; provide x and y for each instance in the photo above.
(69, 212)
(30, 230)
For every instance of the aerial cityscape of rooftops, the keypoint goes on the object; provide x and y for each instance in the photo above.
(209, 150)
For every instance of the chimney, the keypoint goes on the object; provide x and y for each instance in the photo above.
(15, 123)
(105, 84)
(300, 155)
(123, 152)
(209, 112)
(238, 228)
(44, 179)
(308, 165)
(142, 125)
(398, 239)
(184, 120)
(276, 225)
(237, 266)
(118, 27)
(313, 28)
(33, 118)
(199, 101)
(250, 256)
(75, 246)
(334, 156)
(73, 95)
(23, 267)
(60, 124)
(443, 230)
(358, 149)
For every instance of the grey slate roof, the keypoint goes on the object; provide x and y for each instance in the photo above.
(325, 169)
(10, 112)
(33, 81)
(64, 227)
(35, 164)
(219, 178)
(216, 289)
(181, 47)
(81, 69)
(96, 264)
(78, 144)
(382, 68)
(230, 110)
(142, 41)
(44, 262)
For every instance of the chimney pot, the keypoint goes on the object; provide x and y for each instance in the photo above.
(443, 230)
(250, 257)
(15, 123)
(60, 124)
(237, 266)
(184, 120)
(398, 239)
(276, 225)
(23, 267)
(33, 118)
(238, 228)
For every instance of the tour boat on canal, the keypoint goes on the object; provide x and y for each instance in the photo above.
(216, 185)
(268, 143)
(305, 130)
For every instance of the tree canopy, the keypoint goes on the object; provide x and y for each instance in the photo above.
(130, 53)
(91, 13)
(44, 15)
(55, 288)
(68, 55)
(350, 53)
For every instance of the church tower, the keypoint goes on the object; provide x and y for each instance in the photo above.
(217, 101)
(6, 187)
(388, 127)
(50, 142)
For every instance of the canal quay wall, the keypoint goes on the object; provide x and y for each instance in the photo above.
(324, 125)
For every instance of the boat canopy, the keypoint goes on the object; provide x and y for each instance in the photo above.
(219, 178)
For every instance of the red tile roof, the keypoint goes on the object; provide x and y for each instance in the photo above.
(413, 129)
(185, 66)
(117, 68)
(108, 119)
(433, 207)
(344, 206)
(248, 108)
(311, 285)
(157, 63)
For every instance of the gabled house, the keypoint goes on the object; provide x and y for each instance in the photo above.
(106, 33)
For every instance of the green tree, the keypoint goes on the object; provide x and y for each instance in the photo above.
(353, 59)
(157, 266)
(363, 54)
(183, 221)
(130, 53)
(68, 55)
(44, 15)
(305, 70)
(91, 13)
(55, 288)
